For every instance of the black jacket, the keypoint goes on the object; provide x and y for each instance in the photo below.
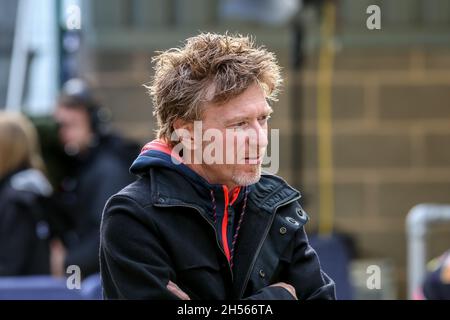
(161, 228)
(24, 231)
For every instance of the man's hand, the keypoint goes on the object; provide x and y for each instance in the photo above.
(172, 287)
(288, 287)
(57, 256)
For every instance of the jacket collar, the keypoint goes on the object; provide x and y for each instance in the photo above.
(171, 188)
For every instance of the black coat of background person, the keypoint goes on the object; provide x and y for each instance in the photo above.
(24, 231)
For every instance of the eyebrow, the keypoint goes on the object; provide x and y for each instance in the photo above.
(267, 112)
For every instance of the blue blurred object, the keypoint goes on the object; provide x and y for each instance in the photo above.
(335, 256)
(436, 285)
(91, 288)
(48, 288)
(36, 288)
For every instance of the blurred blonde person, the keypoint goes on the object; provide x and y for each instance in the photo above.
(24, 233)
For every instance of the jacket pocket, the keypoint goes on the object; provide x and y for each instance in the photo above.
(277, 250)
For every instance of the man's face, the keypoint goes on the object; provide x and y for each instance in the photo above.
(242, 123)
(74, 128)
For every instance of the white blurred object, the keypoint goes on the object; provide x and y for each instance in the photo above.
(33, 76)
(31, 180)
(275, 12)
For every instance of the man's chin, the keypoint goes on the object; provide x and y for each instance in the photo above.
(249, 176)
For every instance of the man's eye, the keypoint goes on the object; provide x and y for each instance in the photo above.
(264, 119)
(240, 124)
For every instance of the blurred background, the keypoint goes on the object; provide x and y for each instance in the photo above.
(363, 117)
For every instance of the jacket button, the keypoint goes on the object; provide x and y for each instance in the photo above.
(292, 220)
(283, 230)
(262, 274)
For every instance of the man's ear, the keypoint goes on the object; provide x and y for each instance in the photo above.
(183, 129)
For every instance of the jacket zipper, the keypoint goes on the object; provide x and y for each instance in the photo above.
(212, 226)
(266, 232)
(224, 226)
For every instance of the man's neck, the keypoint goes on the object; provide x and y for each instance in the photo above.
(200, 170)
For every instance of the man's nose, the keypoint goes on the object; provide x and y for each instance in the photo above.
(258, 136)
(263, 137)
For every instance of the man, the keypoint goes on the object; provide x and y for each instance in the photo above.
(97, 171)
(192, 228)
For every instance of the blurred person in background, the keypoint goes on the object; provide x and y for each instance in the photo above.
(99, 163)
(436, 283)
(24, 231)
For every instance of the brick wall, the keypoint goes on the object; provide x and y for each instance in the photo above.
(391, 144)
(390, 104)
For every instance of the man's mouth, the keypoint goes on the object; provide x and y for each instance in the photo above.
(253, 160)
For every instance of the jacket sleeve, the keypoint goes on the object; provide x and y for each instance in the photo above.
(305, 273)
(133, 263)
(271, 293)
